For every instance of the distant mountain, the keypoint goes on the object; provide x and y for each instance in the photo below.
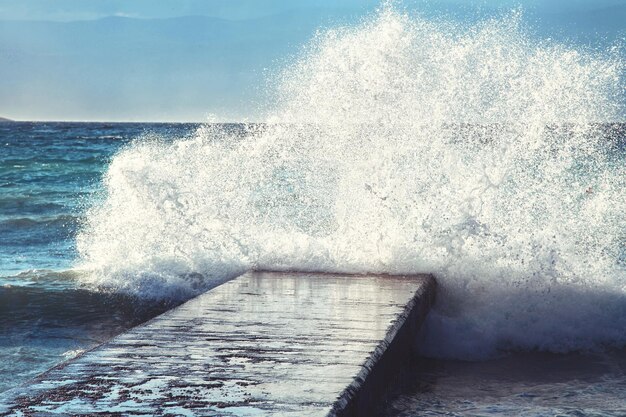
(598, 27)
(2, 119)
(582, 22)
(181, 68)
(121, 68)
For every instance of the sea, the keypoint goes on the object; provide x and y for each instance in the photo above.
(49, 173)
(480, 154)
(52, 174)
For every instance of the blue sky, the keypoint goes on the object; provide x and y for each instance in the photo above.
(68, 10)
(183, 59)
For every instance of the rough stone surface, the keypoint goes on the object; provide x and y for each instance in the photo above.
(266, 343)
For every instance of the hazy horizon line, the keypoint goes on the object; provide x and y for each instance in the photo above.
(257, 121)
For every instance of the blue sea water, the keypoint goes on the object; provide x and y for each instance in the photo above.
(49, 174)
(534, 384)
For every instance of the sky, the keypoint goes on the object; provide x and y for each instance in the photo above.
(69, 10)
(184, 60)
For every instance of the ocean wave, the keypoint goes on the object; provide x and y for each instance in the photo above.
(44, 278)
(43, 308)
(63, 220)
(366, 164)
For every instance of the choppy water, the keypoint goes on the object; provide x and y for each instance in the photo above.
(523, 384)
(487, 157)
(49, 172)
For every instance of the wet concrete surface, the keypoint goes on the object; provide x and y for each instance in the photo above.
(266, 343)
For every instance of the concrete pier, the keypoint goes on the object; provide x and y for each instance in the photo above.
(266, 343)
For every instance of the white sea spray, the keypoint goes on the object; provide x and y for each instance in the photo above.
(400, 145)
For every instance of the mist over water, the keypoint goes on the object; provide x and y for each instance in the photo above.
(400, 145)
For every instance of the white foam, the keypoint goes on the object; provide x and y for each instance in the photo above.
(399, 145)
